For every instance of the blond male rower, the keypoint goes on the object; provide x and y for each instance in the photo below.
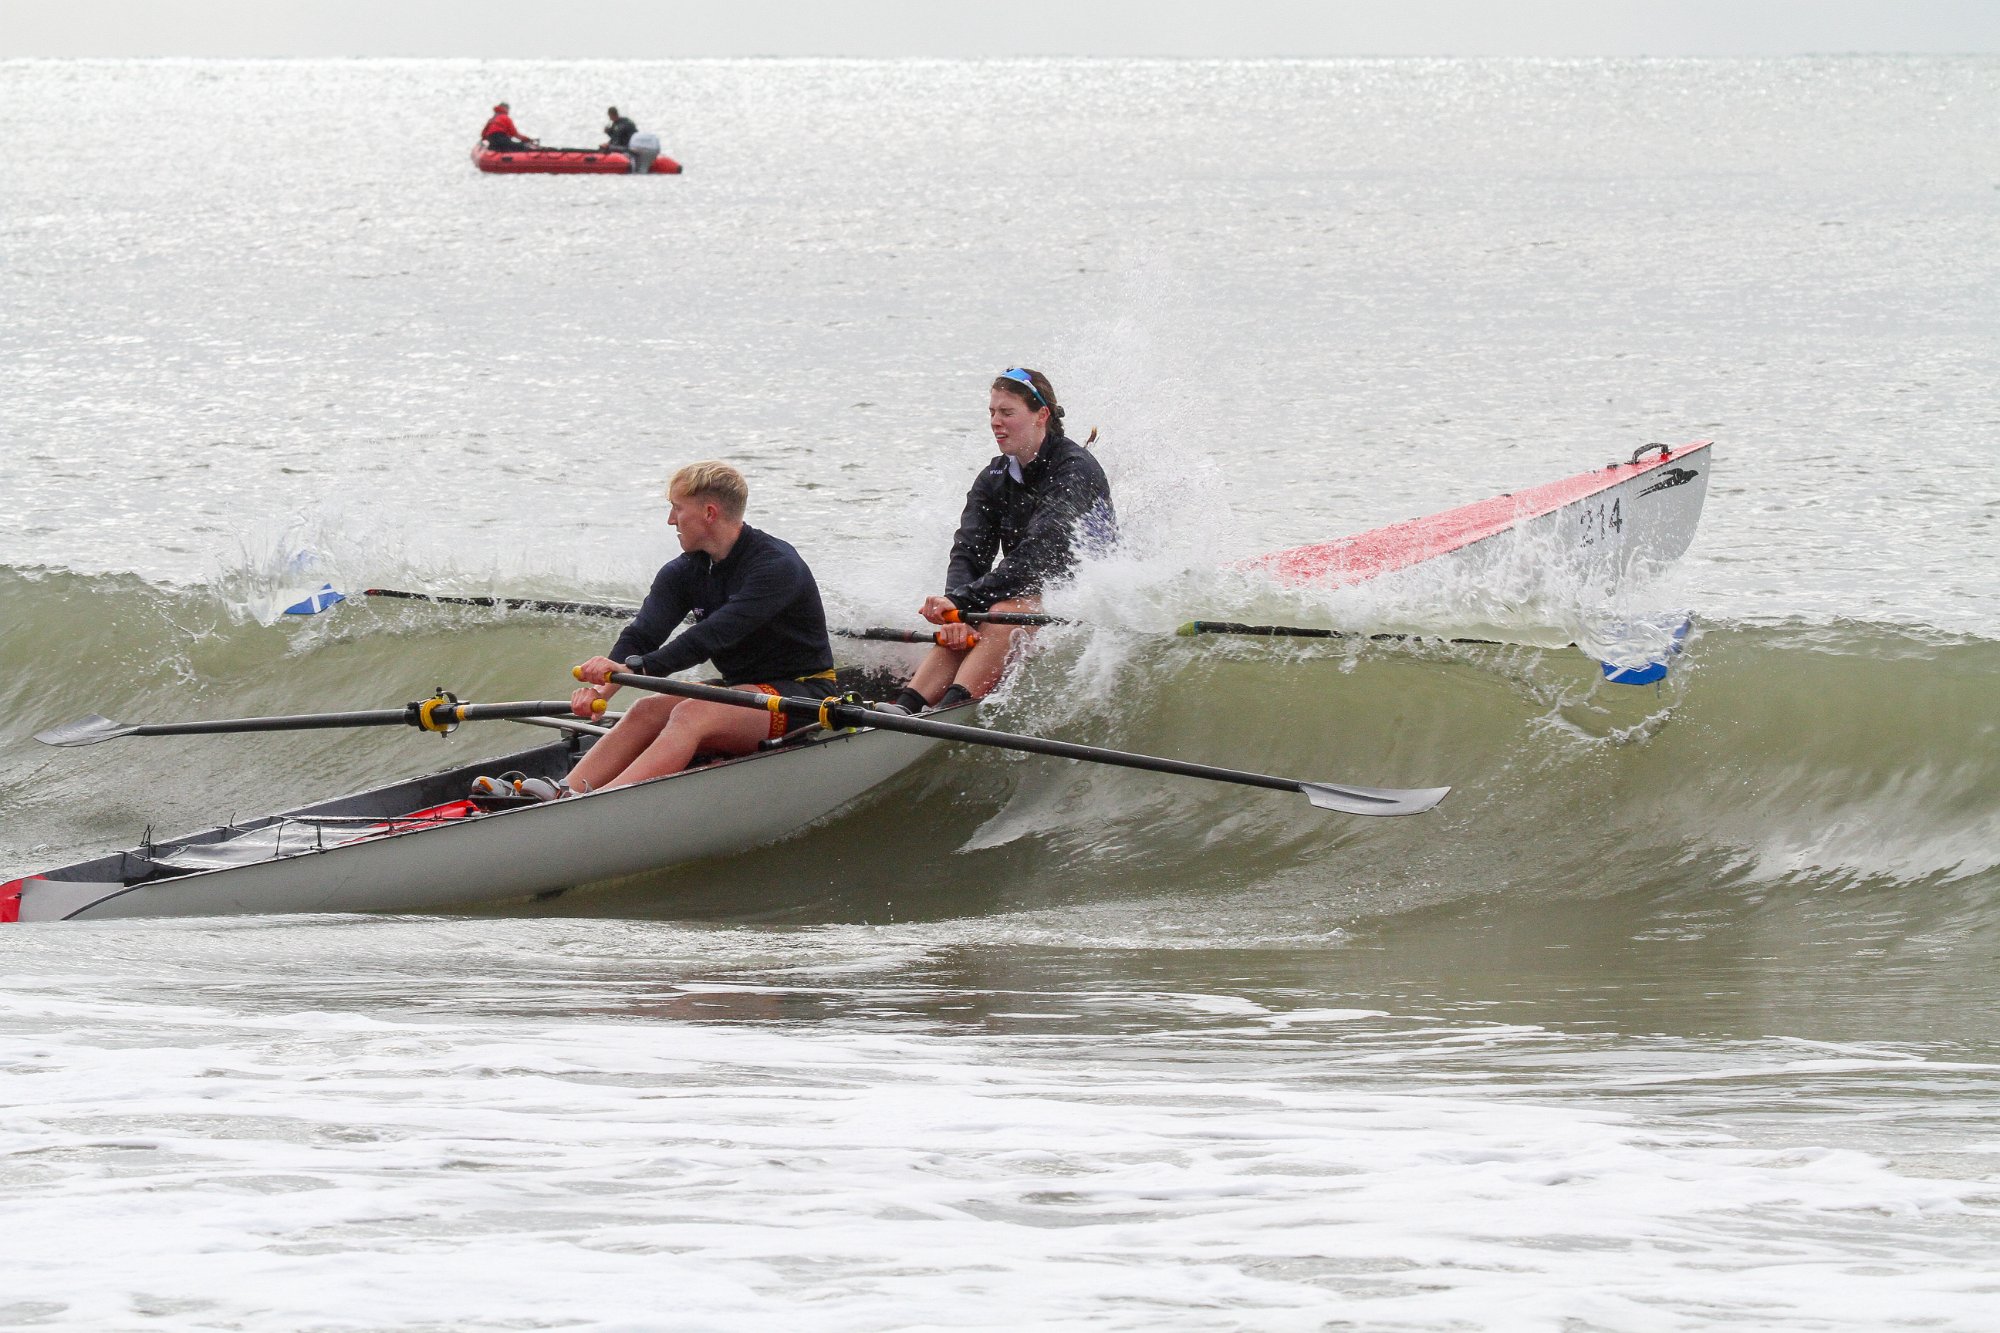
(757, 617)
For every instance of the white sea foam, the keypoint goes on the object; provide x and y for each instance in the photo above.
(325, 1170)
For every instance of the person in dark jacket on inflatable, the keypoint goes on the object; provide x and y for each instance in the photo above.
(1031, 515)
(618, 134)
(500, 134)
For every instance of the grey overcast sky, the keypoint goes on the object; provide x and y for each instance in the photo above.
(669, 28)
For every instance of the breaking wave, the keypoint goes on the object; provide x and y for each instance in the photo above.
(1774, 760)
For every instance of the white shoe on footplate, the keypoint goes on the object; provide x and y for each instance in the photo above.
(542, 789)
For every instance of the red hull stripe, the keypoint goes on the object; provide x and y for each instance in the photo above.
(1367, 555)
(10, 898)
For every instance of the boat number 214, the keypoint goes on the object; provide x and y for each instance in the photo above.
(1599, 523)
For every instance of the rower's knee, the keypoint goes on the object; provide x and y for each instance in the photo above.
(654, 709)
(698, 716)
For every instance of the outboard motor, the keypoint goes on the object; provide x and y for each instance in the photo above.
(645, 146)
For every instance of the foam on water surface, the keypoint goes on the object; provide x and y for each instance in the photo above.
(513, 1140)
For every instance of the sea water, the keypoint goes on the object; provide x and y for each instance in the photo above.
(1679, 1013)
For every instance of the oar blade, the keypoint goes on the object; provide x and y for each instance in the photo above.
(312, 603)
(1373, 800)
(85, 731)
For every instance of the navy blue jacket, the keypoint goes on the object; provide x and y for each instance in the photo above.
(757, 615)
(1038, 527)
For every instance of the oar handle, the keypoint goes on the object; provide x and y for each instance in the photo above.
(527, 708)
(881, 635)
(956, 617)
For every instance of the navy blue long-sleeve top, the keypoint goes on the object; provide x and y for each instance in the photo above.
(757, 615)
(1038, 524)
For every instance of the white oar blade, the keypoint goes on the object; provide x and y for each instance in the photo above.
(1373, 800)
(84, 731)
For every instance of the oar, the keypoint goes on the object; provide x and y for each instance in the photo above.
(512, 603)
(854, 713)
(441, 713)
(616, 612)
(1187, 630)
(1193, 627)
(1646, 675)
(1003, 618)
(881, 635)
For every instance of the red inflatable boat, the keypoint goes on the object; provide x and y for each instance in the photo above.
(565, 162)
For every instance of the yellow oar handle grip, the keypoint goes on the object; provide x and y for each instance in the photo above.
(596, 705)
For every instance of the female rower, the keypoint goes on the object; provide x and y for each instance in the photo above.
(1031, 514)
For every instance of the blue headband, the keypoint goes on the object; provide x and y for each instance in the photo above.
(1021, 376)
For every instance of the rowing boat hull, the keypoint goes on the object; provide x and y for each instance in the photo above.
(1607, 522)
(715, 810)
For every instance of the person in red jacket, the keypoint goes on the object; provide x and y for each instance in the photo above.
(500, 134)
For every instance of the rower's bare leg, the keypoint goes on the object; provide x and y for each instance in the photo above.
(636, 731)
(978, 669)
(937, 671)
(696, 727)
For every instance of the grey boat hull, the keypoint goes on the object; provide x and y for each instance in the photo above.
(717, 809)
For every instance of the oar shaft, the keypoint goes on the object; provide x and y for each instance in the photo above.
(1029, 618)
(511, 603)
(1194, 627)
(439, 713)
(860, 715)
(375, 717)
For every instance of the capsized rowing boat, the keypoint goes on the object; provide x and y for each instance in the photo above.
(421, 844)
(1590, 531)
(1610, 520)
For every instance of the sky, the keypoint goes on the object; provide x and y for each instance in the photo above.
(641, 29)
